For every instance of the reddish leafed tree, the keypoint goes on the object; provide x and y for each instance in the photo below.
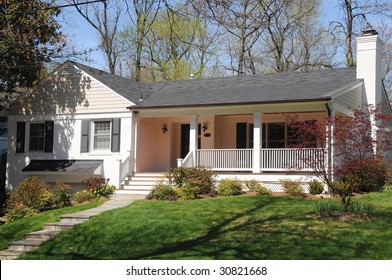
(350, 149)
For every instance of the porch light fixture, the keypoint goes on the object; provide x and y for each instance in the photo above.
(164, 128)
(204, 127)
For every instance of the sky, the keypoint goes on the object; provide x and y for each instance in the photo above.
(84, 36)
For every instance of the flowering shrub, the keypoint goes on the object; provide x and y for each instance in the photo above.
(98, 186)
(104, 190)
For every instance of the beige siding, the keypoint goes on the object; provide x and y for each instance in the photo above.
(350, 99)
(73, 93)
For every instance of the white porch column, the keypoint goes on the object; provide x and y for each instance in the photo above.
(193, 136)
(135, 127)
(330, 140)
(257, 141)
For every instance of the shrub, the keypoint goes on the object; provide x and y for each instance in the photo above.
(32, 193)
(195, 181)
(104, 190)
(62, 195)
(162, 191)
(29, 197)
(327, 208)
(93, 183)
(315, 187)
(261, 190)
(230, 187)
(98, 186)
(84, 196)
(188, 192)
(19, 211)
(252, 184)
(388, 186)
(292, 188)
(366, 174)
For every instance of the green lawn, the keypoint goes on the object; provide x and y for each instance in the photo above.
(17, 230)
(225, 228)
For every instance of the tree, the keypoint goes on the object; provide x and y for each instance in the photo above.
(293, 38)
(242, 20)
(356, 12)
(104, 18)
(29, 37)
(143, 16)
(352, 146)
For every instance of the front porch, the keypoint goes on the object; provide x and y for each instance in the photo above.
(238, 142)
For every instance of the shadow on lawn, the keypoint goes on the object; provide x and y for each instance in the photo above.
(274, 228)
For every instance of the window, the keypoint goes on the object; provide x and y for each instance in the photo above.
(37, 137)
(276, 135)
(102, 135)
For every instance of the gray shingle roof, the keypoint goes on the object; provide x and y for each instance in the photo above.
(80, 166)
(128, 88)
(268, 88)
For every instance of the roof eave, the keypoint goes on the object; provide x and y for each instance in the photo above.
(321, 99)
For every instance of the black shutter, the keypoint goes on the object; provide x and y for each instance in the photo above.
(241, 135)
(116, 130)
(20, 137)
(49, 125)
(85, 139)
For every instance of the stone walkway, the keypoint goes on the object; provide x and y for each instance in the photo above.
(34, 239)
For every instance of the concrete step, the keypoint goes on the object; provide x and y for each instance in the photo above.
(145, 179)
(138, 188)
(139, 183)
(43, 235)
(149, 174)
(58, 226)
(24, 245)
(74, 219)
(9, 254)
(128, 191)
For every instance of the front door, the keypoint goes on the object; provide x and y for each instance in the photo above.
(185, 128)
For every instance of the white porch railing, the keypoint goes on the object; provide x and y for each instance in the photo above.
(292, 159)
(225, 159)
(286, 159)
(187, 161)
(124, 167)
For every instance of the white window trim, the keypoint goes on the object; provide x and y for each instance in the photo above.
(92, 133)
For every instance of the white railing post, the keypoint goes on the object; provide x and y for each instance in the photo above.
(179, 162)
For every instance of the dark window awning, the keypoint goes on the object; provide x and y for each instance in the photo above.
(71, 166)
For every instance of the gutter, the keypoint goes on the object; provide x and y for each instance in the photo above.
(131, 108)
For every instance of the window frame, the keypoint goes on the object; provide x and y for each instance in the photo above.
(93, 135)
(30, 137)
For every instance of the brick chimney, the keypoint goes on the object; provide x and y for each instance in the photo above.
(369, 65)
